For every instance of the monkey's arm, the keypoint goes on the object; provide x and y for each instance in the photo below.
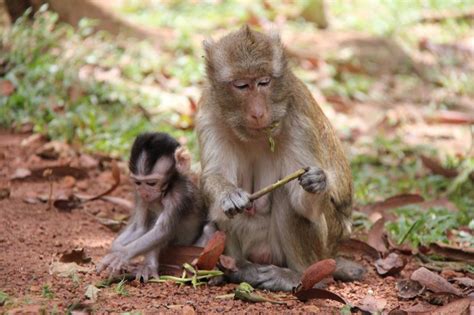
(135, 229)
(219, 170)
(156, 238)
(224, 198)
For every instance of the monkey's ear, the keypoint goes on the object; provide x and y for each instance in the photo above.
(183, 160)
(207, 44)
(279, 61)
(274, 34)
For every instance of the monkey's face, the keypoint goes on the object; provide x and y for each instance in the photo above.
(252, 97)
(154, 185)
(246, 70)
(251, 110)
(150, 190)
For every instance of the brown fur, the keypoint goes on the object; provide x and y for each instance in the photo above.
(298, 227)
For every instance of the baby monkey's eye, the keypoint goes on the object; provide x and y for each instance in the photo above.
(137, 183)
(151, 183)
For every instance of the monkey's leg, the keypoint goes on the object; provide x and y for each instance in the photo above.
(207, 232)
(269, 277)
(130, 234)
(334, 223)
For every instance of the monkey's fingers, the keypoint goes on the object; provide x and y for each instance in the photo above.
(235, 202)
(104, 263)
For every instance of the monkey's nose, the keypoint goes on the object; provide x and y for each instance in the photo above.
(257, 118)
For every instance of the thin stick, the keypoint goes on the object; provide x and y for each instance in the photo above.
(278, 184)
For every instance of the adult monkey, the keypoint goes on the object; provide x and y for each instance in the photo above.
(252, 96)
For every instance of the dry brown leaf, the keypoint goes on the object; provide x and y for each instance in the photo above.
(441, 202)
(372, 304)
(77, 255)
(87, 161)
(465, 281)
(436, 167)
(21, 173)
(450, 117)
(66, 269)
(6, 88)
(113, 225)
(404, 248)
(356, 247)
(67, 203)
(227, 263)
(433, 282)
(408, 289)
(210, 255)
(317, 272)
(376, 237)
(392, 202)
(460, 306)
(178, 255)
(453, 253)
(305, 295)
(56, 172)
(390, 265)
(54, 150)
(68, 182)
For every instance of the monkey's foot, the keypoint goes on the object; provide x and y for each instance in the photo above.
(145, 271)
(269, 277)
(314, 180)
(235, 202)
(114, 263)
(348, 270)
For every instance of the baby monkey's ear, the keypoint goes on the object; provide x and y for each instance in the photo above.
(183, 160)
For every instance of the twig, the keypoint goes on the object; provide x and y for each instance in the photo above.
(47, 173)
(116, 176)
(278, 184)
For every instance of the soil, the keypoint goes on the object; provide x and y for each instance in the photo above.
(33, 238)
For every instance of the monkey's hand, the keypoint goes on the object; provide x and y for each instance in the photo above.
(314, 180)
(145, 271)
(235, 202)
(114, 263)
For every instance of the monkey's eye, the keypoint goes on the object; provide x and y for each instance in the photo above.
(138, 183)
(264, 82)
(151, 183)
(241, 85)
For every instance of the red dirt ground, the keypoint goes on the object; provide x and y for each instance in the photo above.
(32, 237)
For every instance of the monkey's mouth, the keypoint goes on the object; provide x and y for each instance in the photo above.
(268, 129)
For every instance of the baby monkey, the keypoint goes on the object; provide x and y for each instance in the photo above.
(168, 207)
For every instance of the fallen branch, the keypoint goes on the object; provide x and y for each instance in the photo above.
(278, 184)
(436, 17)
(116, 176)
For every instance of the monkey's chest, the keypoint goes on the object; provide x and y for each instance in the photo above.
(255, 175)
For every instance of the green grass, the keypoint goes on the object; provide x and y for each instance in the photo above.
(44, 61)
(47, 292)
(4, 298)
(120, 288)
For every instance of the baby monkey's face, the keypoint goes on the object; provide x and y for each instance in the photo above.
(153, 186)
